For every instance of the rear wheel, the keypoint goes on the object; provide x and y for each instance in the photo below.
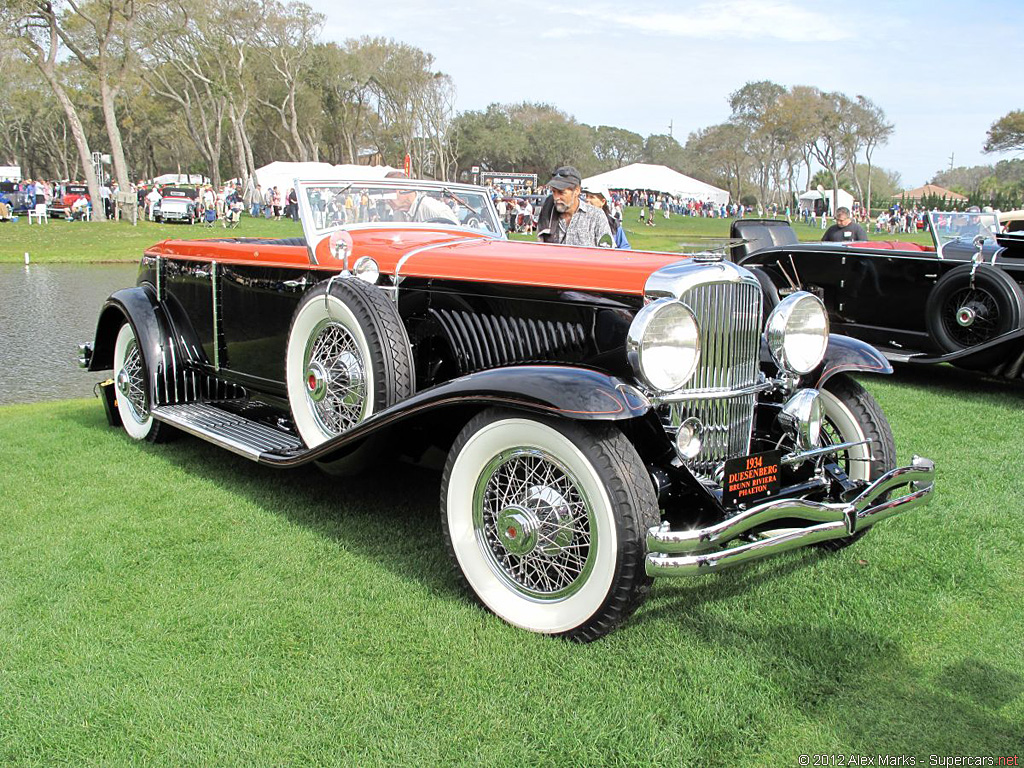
(131, 381)
(545, 522)
(851, 414)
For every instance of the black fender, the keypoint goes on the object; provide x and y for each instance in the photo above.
(845, 353)
(554, 390)
(139, 306)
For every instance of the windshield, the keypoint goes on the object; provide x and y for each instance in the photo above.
(962, 227)
(331, 205)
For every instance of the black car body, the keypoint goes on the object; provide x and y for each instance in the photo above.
(958, 301)
(607, 417)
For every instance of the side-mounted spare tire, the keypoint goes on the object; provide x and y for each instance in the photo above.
(962, 313)
(348, 357)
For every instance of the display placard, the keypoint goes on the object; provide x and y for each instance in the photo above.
(749, 478)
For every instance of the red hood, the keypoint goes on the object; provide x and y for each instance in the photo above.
(538, 264)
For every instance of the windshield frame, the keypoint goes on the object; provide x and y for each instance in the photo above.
(943, 236)
(314, 232)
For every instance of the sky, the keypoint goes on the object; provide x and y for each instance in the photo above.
(942, 71)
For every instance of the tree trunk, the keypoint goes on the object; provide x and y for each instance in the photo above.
(84, 154)
(107, 95)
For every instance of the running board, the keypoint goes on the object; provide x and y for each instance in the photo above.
(238, 434)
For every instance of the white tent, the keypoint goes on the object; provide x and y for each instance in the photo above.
(282, 174)
(180, 178)
(808, 198)
(659, 178)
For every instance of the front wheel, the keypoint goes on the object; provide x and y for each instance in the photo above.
(851, 414)
(545, 522)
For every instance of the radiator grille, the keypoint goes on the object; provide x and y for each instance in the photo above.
(729, 317)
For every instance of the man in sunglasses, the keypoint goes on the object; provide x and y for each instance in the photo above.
(567, 219)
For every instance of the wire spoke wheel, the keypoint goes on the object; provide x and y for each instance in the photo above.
(971, 316)
(545, 521)
(534, 522)
(335, 378)
(131, 383)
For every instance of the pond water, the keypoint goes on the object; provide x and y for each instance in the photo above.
(46, 310)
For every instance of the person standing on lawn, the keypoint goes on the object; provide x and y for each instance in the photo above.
(845, 230)
(566, 219)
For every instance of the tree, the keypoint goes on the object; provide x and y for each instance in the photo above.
(873, 131)
(616, 147)
(553, 138)
(797, 110)
(489, 139)
(1006, 133)
(100, 34)
(33, 28)
(661, 149)
(754, 107)
(287, 46)
(834, 127)
(718, 156)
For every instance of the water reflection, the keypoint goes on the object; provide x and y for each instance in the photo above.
(46, 310)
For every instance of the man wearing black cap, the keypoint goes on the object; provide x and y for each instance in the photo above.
(567, 219)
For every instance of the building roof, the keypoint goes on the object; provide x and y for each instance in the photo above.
(928, 190)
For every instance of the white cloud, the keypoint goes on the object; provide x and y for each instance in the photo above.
(726, 20)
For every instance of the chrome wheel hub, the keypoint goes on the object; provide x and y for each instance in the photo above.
(334, 378)
(534, 524)
(965, 316)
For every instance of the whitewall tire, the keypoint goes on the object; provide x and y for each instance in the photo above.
(131, 384)
(348, 356)
(545, 522)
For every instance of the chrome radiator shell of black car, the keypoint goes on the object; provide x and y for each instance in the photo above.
(726, 300)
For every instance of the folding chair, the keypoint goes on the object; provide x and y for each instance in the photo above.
(39, 213)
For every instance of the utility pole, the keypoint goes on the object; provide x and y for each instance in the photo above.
(670, 128)
(951, 156)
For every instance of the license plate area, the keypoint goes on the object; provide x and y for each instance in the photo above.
(751, 478)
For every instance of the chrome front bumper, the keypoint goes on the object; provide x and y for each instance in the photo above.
(706, 550)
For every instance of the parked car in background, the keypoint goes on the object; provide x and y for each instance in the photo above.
(959, 300)
(607, 417)
(64, 198)
(1012, 221)
(176, 204)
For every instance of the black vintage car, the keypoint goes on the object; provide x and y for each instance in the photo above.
(607, 416)
(959, 300)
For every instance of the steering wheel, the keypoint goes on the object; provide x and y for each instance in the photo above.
(440, 220)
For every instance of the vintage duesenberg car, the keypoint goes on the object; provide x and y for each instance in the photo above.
(607, 416)
(959, 300)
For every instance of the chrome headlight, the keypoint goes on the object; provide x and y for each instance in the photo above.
(366, 269)
(797, 333)
(663, 346)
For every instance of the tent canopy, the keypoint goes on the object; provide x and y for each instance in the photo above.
(283, 174)
(929, 189)
(659, 178)
(180, 178)
(806, 199)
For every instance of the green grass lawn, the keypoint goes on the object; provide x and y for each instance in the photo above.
(62, 241)
(178, 605)
(99, 241)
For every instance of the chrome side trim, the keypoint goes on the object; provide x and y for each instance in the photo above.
(215, 287)
(704, 550)
(397, 277)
